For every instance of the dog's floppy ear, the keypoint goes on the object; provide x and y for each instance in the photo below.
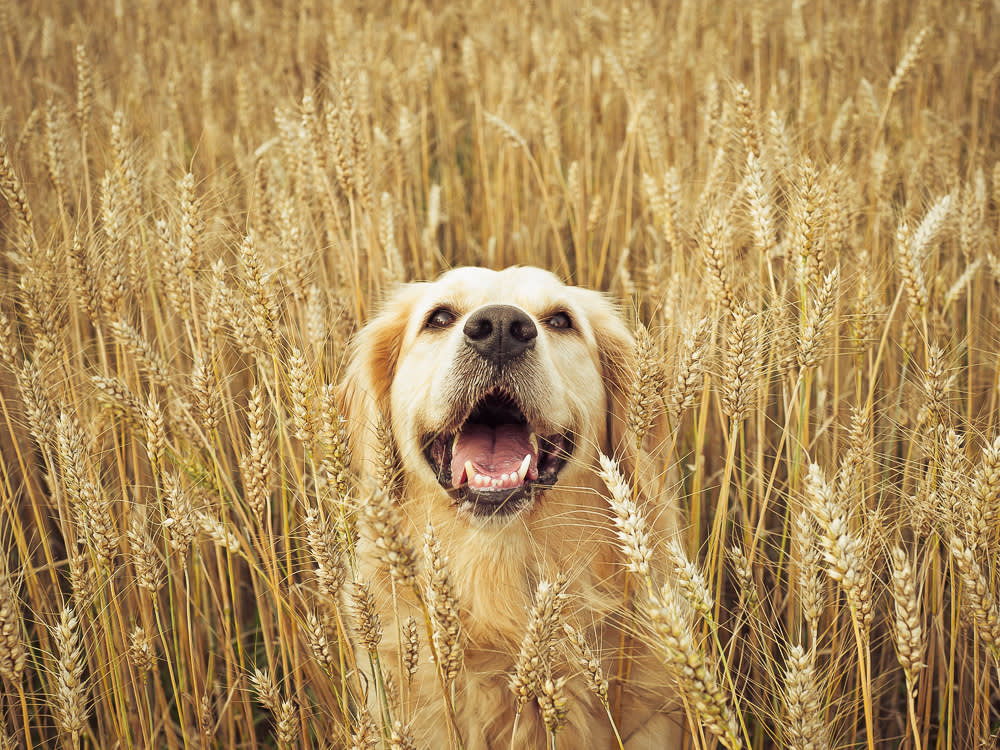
(616, 346)
(371, 363)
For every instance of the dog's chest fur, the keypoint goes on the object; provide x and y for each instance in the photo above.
(495, 591)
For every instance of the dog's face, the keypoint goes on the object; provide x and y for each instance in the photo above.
(497, 385)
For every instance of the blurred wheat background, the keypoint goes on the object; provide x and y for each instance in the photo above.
(797, 201)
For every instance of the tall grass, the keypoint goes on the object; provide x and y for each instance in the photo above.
(798, 202)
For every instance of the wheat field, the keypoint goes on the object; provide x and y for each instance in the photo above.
(797, 203)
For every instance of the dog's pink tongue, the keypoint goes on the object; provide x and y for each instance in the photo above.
(492, 452)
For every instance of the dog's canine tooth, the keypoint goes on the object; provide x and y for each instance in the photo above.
(522, 472)
(470, 472)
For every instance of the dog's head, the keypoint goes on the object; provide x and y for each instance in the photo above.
(496, 386)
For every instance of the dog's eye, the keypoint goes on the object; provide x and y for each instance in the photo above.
(559, 320)
(441, 318)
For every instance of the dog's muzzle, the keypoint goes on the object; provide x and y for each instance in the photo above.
(492, 459)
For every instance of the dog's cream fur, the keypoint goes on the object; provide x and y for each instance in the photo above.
(573, 381)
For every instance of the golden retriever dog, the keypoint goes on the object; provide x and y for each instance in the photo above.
(499, 390)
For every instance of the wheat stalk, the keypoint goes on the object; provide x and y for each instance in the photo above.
(909, 630)
(805, 728)
(12, 648)
(143, 555)
(645, 387)
(411, 648)
(12, 189)
(743, 362)
(141, 653)
(534, 659)
(632, 529)
(695, 671)
(442, 601)
(384, 524)
(903, 70)
(319, 644)
(983, 513)
(368, 621)
(713, 244)
(842, 547)
(326, 553)
(180, 280)
(70, 694)
(690, 369)
(977, 595)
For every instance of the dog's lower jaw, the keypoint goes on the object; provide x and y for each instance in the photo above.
(495, 508)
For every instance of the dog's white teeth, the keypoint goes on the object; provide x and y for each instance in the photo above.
(470, 472)
(522, 472)
(533, 442)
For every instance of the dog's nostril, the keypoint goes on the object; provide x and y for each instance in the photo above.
(500, 332)
(478, 328)
(523, 330)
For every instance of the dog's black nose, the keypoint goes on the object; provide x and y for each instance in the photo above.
(500, 333)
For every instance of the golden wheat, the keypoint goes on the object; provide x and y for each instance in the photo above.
(799, 204)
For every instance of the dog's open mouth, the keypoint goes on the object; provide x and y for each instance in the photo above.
(496, 461)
